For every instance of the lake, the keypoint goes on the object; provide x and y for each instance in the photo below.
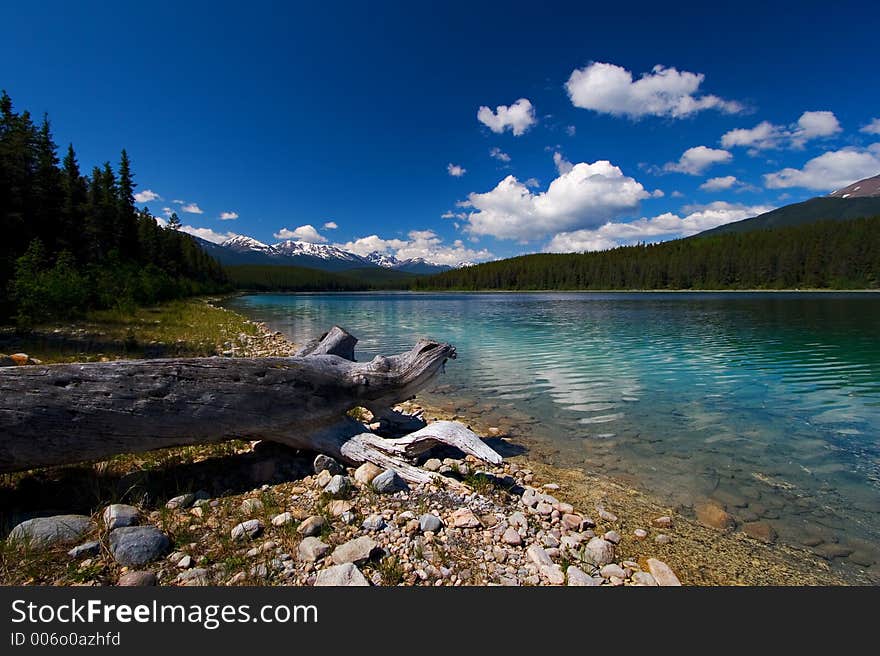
(768, 403)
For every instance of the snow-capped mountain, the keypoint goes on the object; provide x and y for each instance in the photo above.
(242, 249)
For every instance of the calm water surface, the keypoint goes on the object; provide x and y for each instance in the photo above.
(767, 403)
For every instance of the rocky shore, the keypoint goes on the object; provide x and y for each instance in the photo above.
(276, 516)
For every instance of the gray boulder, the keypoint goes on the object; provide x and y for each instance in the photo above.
(323, 462)
(43, 532)
(354, 551)
(117, 515)
(346, 574)
(429, 522)
(387, 482)
(312, 549)
(85, 549)
(134, 546)
(338, 487)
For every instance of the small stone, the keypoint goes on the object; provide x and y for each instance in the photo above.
(429, 522)
(552, 574)
(433, 464)
(579, 578)
(572, 522)
(348, 517)
(762, 531)
(662, 538)
(354, 551)
(518, 520)
(464, 518)
(85, 549)
(366, 473)
(613, 537)
(134, 546)
(338, 487)
(326, 463)
(538, 556)
(374, 523)
(599, 552)
(714, 516)
(612, 569)
(640, 534)
(42, 532)
(311, 526)
(312, 549)
(117, 515)
(530, 497)
(662, 522)
(662, 573)
(198, 576)
(544, 508)
(251, 506)
(249, 529)
(512, 537)
(185, 562)
(606, 516)
(282, 519)
(550, 486)
(323, 478)
(563, 508)
(644, 578)
(339, 507)
(137, 578)
(388, 482)
(346, 574)
(182, 501)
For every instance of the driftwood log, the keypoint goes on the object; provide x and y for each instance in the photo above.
(65, 413)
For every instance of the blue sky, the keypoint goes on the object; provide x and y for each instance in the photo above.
(616, 125)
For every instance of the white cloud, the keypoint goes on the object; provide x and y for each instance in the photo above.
(228, 216)
(177, 201)
(717, 184)
(306, 233)
(873, 127)
(610, 89)
(500, 155)
(657, 228)
(570, 130)
(831, 170)
(455, 170)
(697, 159)
(584, 196)
(449, 214)
(420, 243)
(207, 234)
(518, 117)
(563, 166)
(330, 225)
(532, 183)
(677, 194)
(146, 196)
(192, 208)
(767, 136)
(167, 211)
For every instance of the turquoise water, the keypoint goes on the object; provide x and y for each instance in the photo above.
(767, 403)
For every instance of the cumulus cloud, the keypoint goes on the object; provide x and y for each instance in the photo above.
(657, 228)
(306, 233)
(610, 89)
(449, 214)
(717, 184)
(697, 159)
(873, 127)
(562, 164)
(831, 170)
(192, 208)
(425, 244)
(584, 196)
(455, 170)
(517, 118)
(500, 155)
(228, 216)
(146, 196)
(330, 225)
(207, 234)
(532, 183)
(768, 136)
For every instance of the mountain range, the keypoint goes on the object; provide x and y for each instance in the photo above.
(242, 249)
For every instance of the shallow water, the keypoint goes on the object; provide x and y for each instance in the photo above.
(767, 403)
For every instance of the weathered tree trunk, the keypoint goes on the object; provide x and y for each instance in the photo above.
(65, 413)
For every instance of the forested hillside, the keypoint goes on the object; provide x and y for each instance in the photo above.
(71, 242)
(819, 255)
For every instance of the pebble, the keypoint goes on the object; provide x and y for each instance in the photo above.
(338, 507)
(326, 463)
(433, 464)
(251, 506)
(282, 519)
(338, 487)
(366, 473)
(85, 549)
(599, 552)
(311, 526)
(579, 578)
(311, 549)
(430, 522)
(640, 534)
(117, 515)
(249, 529)
(571, 521)
(552, 574)
(137, 578)
(512, 537)
(518, 520)
(464, 518)
(134, 546)
(182, 501)
(374, 523)
(185, 562)
(354, 551)
(662, 522)
(198, 576)
(714, 516)
(644, 578)
(606, 516)
(662, 573)
(323, 478)
(662, 538)
(543, 508)
(612, 570)
(613, 537)
(344, 575)
(388, 482)
(538, 556)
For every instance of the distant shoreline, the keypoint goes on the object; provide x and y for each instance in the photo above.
(244, 292)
